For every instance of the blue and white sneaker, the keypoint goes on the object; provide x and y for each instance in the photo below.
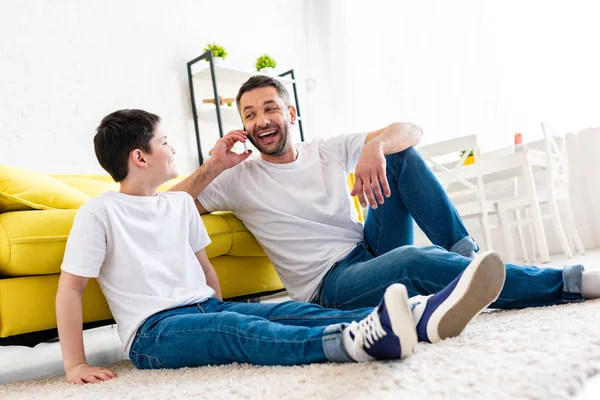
(446, 313)
(389, 331)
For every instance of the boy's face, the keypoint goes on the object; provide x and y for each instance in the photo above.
(161, 160)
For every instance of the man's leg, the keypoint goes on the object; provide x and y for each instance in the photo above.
(415, 193)
(360, 279)
(216, 332)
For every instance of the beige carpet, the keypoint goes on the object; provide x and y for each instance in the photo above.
(543, 353)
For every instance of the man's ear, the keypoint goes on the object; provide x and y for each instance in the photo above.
(293, 114)
(137, 157)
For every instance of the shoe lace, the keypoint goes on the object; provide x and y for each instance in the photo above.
(369, 330)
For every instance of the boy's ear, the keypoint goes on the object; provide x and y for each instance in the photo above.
(137, 156)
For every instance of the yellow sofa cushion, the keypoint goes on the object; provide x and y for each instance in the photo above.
(33, 242)
(96, 177)
(27, 304)
(91, 187)
(95, 184)
(22, 189)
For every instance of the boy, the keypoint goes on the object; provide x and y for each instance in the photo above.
(147, 250)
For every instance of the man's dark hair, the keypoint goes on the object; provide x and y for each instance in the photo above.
(118, 134)
(260, 81)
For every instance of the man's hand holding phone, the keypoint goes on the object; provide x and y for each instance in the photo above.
(222, 153)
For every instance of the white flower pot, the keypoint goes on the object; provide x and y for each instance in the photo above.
(266, 70)
(218, 60)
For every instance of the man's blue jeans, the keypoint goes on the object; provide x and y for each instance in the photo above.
(217, 332)
(386, 254)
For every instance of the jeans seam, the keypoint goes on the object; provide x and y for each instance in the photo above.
(416, 211)
(296, 318)
(380, 224)
(135, 353)
(363, 295)
(234, 333)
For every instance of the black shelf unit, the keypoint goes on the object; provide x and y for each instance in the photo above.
(209, 56)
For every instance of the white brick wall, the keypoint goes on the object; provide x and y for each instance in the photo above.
(65, 64)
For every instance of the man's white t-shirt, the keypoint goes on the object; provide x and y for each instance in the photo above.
(301, 213)
(142, 250)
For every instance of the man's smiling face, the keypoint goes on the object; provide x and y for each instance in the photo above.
(266, 118)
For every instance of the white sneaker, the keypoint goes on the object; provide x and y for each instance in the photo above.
(389, 331)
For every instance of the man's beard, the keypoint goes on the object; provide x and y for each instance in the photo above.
(281, 146)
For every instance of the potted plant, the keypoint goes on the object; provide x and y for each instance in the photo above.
(219, 53)
(470, 158)
(265, 64)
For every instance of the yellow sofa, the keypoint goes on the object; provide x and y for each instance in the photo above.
(33, 235)
(36, 214)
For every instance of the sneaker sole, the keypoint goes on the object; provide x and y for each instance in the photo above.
(400, 313)
(479, 286)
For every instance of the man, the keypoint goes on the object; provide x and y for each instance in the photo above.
(294, 199)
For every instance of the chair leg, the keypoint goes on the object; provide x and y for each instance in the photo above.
(572, 227)
(536, 214)
(535, 257)
(485, 223)
(520, 234)
(558, 227)
(508, 238)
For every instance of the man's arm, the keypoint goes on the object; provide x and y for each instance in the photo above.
(221, 158)
(209, 271)
(396, 137)
(370, 174)
(69, 318)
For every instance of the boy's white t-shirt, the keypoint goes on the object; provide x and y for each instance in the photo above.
(142, 250)
(301, 213)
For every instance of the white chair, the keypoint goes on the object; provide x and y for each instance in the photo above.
(467, 195)
(555, 193)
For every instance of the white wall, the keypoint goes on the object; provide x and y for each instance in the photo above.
(464, 66)
(65, 64)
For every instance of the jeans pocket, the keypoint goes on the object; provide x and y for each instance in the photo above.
(144, 361)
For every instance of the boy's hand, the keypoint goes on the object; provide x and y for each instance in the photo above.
(83, 373)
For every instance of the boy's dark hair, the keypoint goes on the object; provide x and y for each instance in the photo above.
(118, 134)
(260, 81)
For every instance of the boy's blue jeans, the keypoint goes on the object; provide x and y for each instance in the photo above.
(386, 254)
(217, 332)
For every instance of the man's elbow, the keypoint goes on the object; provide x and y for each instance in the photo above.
(412, 132)
(417, 134)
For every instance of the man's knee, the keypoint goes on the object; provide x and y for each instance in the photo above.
(413, 254)
(404, 255)
(404, 158)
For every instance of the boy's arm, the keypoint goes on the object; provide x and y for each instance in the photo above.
(209, 271)
(70, 331)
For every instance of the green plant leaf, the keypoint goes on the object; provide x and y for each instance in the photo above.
(217, 51)
(265, 61)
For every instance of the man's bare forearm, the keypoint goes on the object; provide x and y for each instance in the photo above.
(397, 137)
(69, 318)
(196, 182)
